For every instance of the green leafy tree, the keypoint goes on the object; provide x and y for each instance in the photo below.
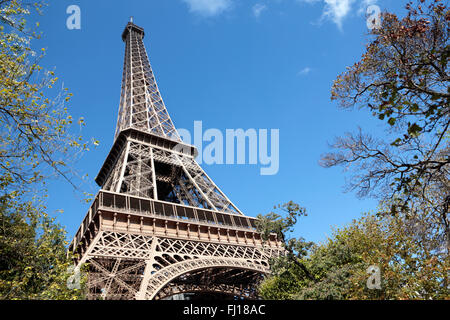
(34, 263)
(36, 144)
(338, 268)
(282, 222)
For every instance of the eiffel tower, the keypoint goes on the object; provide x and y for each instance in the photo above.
(159, 227)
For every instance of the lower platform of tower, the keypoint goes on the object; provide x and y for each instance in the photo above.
(136, 248)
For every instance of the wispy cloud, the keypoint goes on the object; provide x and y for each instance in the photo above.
(338, 10)
(334, 10)
(305, 71)
(258, 8)
(208, 8)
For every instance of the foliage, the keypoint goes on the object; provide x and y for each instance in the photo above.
(34, 125)
(35, 144)
(402, 79)
(338, 267)
(33, 260)
(274, 223)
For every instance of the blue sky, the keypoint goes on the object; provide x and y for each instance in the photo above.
(231, 64)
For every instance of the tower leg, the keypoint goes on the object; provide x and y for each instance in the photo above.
(147, 272)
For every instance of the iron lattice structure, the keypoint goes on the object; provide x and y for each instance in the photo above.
(159, 226)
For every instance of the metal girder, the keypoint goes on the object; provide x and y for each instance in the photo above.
(124, 265)
(248, 292)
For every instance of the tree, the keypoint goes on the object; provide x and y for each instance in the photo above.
(36, 144)
(338, 268)
(288, 269)
(34, 263)
(402, 79)
(279, 225)
(35, 141)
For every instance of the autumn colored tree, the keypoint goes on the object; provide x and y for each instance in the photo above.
(402, 79)
(36, 143)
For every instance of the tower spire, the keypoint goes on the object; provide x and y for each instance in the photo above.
(141, 105)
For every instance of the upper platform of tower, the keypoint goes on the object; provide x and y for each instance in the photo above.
(132, 27)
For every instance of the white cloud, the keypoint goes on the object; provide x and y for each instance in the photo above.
(338, 10)
(258, 8)
(208, 8)
(304, 71)
(334, 10)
